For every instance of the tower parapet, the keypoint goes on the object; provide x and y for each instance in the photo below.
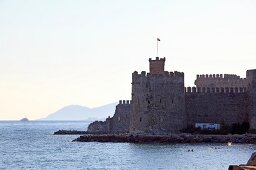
(156, 66)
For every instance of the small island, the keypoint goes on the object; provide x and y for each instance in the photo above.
(24, 120)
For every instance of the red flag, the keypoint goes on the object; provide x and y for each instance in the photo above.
(158, 39)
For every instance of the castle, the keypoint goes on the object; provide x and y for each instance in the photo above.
(161, 104)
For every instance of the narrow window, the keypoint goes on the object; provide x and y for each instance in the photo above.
(172, 101)
(119, 118)
(148, 102)
(160, 101)
(140, 119)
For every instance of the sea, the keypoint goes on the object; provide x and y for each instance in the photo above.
(32, 145)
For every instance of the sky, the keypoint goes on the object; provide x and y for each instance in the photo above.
(55, 53)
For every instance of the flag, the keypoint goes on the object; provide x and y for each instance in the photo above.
(158, 39)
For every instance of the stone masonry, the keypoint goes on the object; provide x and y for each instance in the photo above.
(119, 123)
(162, 105)
(158, 101)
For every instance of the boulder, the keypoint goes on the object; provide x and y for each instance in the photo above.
(252, 160)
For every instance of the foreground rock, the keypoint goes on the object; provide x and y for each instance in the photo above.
(235, 167)
(251, 164)
(181, 138)
(252, 160)
(70, 132)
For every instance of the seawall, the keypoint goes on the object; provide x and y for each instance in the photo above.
(182, 138)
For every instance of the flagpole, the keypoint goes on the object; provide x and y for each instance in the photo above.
(157, 47)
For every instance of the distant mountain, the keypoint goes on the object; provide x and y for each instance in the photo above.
(76, 112)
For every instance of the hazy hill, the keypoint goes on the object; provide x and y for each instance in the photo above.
(76, 112)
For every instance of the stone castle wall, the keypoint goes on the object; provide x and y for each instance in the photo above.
(158, 103)
(224, 108)
(251, 76)
(119, 123)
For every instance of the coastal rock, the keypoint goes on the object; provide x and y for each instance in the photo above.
(69, 132)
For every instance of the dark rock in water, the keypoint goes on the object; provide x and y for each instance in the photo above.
(24, 119)
(70, 132)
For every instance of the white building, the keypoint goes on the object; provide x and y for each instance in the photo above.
(209, 126)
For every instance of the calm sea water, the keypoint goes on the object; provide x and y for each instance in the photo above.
(32, 146)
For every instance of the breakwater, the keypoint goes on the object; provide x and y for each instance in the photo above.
(179, 138)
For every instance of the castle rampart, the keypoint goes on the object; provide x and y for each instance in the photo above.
(224, 108)
(218, 80)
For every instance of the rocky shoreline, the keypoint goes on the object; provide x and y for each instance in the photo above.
(174, 138)
(179, 138)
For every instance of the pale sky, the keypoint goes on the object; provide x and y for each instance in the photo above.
(55, 53)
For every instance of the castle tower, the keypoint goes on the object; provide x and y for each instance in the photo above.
(158, 100)
(156, 66)
(251, 77)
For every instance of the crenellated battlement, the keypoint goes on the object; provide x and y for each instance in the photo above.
(225, 76)
(124, 102)
(157, 59)
(166, 74)
(220, 80)
(215, 90)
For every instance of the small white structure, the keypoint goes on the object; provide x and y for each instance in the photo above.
(209, 126)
